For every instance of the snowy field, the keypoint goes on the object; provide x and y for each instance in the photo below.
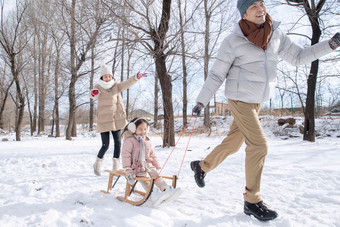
(50, 182)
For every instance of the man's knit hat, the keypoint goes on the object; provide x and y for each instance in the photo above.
(104, 69)
(242, 5)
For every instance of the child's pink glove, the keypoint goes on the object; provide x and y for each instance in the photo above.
(140, 75)
(95, 92)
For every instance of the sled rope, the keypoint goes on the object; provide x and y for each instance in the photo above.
(175, 147)
(192, 130)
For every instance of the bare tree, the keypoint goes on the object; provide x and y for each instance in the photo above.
(14, 36)
(294, 84)
(5, 86)
(313, 10)
(158, 37)
(34, 115)
(40, 50)
(43, 75)
(127, 50)
(212, 9)
(130, 52)
(116, 51)
(93, 56)
(148, 26)
(282, 88)
(184, 66)
(82, 33)
(59, 42)
(334, 95)
(185, 54)
(100, 49)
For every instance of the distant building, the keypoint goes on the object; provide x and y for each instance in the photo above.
(221, 108)
(139, 113)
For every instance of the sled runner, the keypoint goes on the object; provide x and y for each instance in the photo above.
(129, 189)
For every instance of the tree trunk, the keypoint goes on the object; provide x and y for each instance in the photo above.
(48, 75)
(57, 119)
(28, 106)
(56, 94)
(184, 68)
(123, 49)
(42, 86)
(127, 77)
(35, 89)
(206, 58)
(13, 43)
(115, 55)
(122, 59)
(75, 64)
(2, 108)
(41, 117)
(162, 73)
(20, 118)
(156, 102)
(52, 123)
(74, 124)
(71, 92)
(72, 107)
(166, 85)
(20, 103)
(309, 129)
(91, 87)
(185, 98)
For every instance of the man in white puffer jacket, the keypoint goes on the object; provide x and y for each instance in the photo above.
(247, 60)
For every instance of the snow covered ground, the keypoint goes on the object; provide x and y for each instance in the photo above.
(50, 182)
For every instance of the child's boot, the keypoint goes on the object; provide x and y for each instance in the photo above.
(174, 193)
(97, 166)
(115, 164)
(158, 197)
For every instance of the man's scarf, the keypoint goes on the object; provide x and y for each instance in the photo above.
(258, 35)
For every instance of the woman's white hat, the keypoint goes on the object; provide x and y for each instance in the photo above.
(104, 69)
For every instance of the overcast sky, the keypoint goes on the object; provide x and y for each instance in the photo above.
(8, 5)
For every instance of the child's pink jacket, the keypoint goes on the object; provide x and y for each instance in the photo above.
(132, 144)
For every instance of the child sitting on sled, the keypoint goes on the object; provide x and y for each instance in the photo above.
(139, 159)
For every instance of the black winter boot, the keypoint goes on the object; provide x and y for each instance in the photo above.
(259, 211)
(199, 173)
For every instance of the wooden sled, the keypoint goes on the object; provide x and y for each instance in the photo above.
(129, 189)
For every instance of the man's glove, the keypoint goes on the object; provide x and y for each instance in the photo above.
(140, 75)
(335, 41)
(197, 109)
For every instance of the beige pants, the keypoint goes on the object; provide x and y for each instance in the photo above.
(153, 173)
(246, 127)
